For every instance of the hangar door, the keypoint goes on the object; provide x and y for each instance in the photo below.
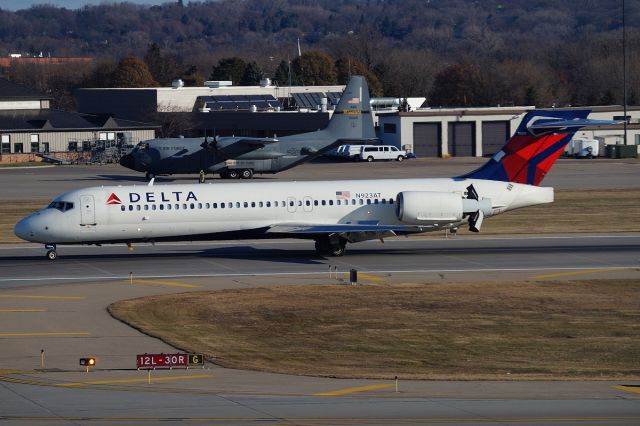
(462, 139)
(426, 139)
(494, 135)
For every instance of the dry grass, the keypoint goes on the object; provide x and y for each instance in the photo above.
(573, 211)
(582, 329)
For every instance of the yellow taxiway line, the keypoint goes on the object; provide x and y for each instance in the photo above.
(23, 310)
(370, 277)
(55, 333)
(634, 389)
(170, 283)
(582, 272)
(137, 380)
(353, 390)
(22, 296)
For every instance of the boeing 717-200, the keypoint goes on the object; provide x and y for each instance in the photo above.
(333, 213)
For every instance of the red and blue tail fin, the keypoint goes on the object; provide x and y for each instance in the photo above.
(540, 139)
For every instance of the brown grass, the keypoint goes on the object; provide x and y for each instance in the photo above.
(573, 211)
(585, 329)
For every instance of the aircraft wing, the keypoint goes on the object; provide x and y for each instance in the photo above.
(231, 147)
(352, 232)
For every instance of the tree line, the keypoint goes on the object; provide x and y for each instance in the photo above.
(455, 52)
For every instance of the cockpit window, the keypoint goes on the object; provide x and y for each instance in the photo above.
(63, 206)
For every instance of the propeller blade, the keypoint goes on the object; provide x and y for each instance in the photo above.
(472, 194)
(475, 221)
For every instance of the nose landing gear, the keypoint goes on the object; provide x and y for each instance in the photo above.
(52, 254)
(331, 247)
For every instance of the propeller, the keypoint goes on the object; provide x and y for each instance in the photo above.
(475, 218)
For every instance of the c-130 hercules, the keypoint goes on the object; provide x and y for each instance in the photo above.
(241, 157)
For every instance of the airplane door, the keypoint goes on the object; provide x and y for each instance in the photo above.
(87, 210)
(291, 204)
(307, 204)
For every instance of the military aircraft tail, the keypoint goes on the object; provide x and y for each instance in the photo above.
(352, 116)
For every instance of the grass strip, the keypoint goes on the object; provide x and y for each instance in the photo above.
(508, 330)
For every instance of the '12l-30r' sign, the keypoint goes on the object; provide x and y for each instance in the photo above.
(162, 360)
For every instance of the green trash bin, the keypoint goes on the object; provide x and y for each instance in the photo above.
(626, 151)
(611, 151)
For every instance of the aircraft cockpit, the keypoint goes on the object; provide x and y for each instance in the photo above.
(63, 206)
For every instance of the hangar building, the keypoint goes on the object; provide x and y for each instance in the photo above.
(476, 132)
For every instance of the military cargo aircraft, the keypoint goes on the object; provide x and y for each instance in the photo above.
(241, 157)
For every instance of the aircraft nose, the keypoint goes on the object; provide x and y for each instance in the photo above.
(128, 161)
(24, 230)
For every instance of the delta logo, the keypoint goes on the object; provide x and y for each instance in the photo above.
(113, 199)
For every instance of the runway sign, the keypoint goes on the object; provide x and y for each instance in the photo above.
(162, 360)
(196, 359)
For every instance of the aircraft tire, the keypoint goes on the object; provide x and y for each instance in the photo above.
(246, 173)
(233, 174)
(326, 248)
(52, 255)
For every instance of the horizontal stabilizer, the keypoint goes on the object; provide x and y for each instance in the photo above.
(552, 125)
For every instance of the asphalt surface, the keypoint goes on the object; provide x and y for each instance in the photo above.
(59, 307)
(49, 182)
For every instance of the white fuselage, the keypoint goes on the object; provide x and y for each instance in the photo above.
(240, 210)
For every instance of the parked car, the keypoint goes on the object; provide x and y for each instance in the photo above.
(381, 152)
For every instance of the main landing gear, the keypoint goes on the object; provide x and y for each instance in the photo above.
(331, 247)
(237, 174)
(52, 254)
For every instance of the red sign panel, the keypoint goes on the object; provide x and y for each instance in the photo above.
(162, 360)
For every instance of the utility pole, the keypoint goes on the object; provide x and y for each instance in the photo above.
(624, 69)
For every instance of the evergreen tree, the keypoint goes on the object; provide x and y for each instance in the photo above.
(252, 74)
(282, 74)
(229, 69)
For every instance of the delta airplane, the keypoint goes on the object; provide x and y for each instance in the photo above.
(333, 213)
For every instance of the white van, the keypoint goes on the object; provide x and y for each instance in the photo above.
(381, 152)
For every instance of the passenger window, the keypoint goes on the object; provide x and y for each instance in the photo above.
(130, 208)
(361, 201)
(291, 203)
(368, 200)
(375, 201)
(384, 201)
(353, 202)
(330, 202)
(275, 204)
(315, 202)
(184, 206)
(168, 206)
(193, 206)
(299, 203)
(260, 204)
(246, 204)
(153, 207)
(222, 205)
(177, 206)
(199, 205)
(230, 205)
(268, 203)
(390, 200)
(253, 204)
(238, 204)
(122, 208)
(324, 202)
(208, 205)
(146, 206)
(308, 203)
(138, 207)
(161, 206)
(215, 205)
